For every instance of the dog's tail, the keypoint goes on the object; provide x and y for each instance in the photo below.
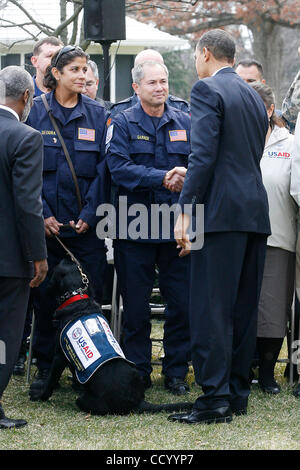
(146, 407)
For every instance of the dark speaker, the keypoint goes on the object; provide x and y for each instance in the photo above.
(104, 20)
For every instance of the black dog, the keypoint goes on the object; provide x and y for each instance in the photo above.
(114, 387)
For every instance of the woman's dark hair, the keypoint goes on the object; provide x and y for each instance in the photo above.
(62, 58)
(268, 97)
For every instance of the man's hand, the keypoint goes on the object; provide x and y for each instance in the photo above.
(40, 272)
(174, 179)
(80, 227)
(181, 235)
(52, 226)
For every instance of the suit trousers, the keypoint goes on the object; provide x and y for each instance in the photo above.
(135, 265)
(226, 277)
(14, 295)
(91, 253)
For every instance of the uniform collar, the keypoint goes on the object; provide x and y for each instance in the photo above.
(138, 115)
(56, 110)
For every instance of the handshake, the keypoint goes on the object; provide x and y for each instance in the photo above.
(174, 179)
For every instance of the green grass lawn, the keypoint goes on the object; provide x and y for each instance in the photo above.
(272, 422)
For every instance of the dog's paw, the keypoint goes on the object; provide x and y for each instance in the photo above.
(37, 394)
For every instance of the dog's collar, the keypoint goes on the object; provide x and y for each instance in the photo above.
(72, 299)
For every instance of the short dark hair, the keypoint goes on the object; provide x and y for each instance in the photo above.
(63, 60)
(220, 43)
(249, 63)
(54, 41)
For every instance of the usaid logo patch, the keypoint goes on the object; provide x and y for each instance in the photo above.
(279, 154)
(83, 345)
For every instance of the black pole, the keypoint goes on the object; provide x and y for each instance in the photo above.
(106, 69)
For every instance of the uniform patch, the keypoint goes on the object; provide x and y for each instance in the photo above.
(178, 135)
(279, 154)
(143, 137)
(88, 343)
(109, 134)
(86, 134)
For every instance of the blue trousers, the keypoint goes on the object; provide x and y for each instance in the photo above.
(91, 253)
(226, 277)
(135, 265)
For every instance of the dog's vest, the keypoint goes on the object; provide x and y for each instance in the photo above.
(88, 343)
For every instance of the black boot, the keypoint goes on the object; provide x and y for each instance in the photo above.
(268, 350)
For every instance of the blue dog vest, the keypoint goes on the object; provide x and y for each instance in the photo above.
(88, 343)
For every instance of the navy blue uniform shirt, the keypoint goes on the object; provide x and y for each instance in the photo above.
(83, 130)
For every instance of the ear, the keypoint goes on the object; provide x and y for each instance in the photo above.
(270, 111)
(135, 87)
(206, 54)
(26, 96)
(33, 60)
(52, 284)
(56, 73)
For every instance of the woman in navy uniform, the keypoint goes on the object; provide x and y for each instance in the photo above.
(81, 122)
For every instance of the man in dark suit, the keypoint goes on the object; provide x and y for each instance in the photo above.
(22, 240)
(229, 125)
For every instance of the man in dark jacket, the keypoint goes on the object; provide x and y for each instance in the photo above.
(22, 240)
(229, 126)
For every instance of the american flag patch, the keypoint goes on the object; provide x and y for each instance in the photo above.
(86, 134)
(179, 135)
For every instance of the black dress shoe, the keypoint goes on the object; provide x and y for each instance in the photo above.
(218, 415)
(146, 381)
(6, 423)
(271, 388)
(176, 385)
(296, 391)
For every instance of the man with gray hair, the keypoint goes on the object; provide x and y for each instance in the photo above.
(148, 55)
(22, 240)
(92, 84)
(147, 151)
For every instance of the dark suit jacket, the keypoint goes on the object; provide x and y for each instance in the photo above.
(22, 235)
(229, 125)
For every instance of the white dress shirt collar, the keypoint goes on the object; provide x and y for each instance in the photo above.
(7, 108)
(225, 67)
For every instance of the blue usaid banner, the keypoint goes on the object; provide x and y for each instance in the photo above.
(88, 343)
